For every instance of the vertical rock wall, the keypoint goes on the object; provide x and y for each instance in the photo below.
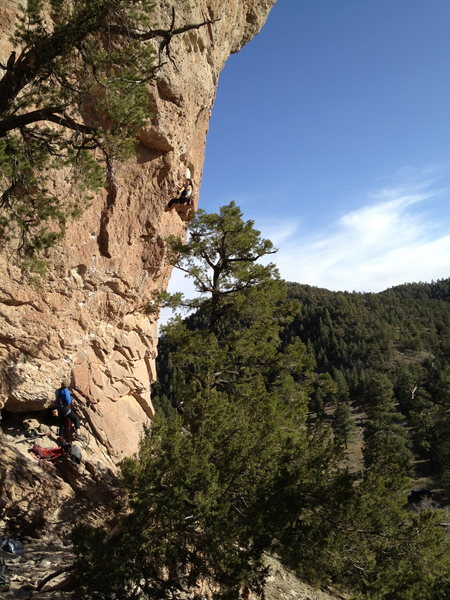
(84, 319)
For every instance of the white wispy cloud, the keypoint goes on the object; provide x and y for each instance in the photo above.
(390, 239)
(385, 242)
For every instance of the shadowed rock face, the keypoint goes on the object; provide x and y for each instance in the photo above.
(85, 319)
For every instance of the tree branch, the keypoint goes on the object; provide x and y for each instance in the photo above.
(252, 258)
(166, 34)
(49, 113)
(18, 121)
(33, 61)
(70, 123)
(51, 576)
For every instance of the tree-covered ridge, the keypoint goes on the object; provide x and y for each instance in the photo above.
(374, 331)
(437, 290)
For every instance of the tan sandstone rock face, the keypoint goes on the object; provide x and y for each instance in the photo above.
(84, 320)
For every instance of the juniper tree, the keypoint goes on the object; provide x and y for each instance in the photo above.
(73, 97)
(363, 539)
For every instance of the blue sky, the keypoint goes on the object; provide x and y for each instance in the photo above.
(331, 130)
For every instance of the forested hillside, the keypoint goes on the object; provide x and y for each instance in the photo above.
(355, 331)
(402, 334)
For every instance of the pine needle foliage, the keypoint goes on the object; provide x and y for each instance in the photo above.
(207, 492)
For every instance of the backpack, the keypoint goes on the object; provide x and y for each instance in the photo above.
(11, 546)
(75, 454)
(63, 397)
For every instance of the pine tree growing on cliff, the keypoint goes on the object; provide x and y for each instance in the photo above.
(73, 97)
(207, 494)
(241, 310)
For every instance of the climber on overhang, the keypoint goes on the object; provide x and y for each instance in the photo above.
(64, 409)
(184, 194)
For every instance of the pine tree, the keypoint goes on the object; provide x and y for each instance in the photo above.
(386, 445)
(212, 488)
(343, 424)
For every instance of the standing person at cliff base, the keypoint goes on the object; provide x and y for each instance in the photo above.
(63, 407)
(184, 194)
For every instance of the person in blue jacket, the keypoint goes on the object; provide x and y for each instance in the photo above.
(63, 405)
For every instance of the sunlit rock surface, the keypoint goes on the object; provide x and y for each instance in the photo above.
(84, 319)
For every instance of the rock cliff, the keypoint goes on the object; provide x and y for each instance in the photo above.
(84, 318)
